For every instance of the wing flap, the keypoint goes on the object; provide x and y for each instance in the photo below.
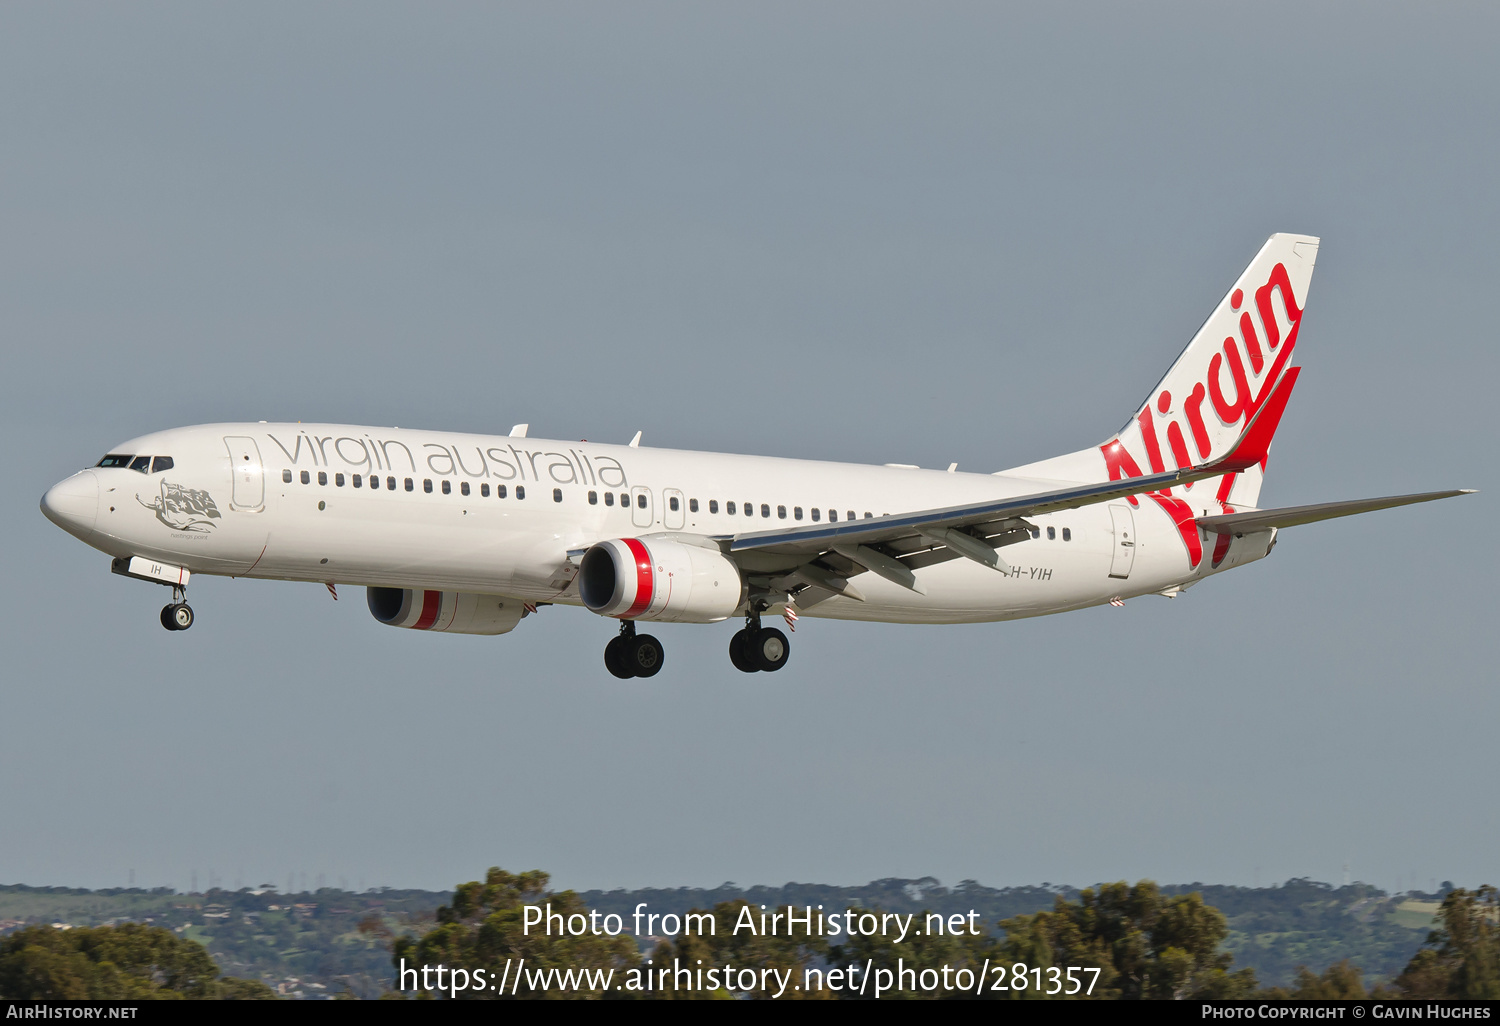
(820, 538)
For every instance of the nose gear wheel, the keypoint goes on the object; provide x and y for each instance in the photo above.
(177, 616)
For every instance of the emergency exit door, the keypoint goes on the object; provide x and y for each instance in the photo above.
(641, 513)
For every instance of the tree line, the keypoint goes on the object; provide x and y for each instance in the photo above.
(128, 962)
(1146, 944)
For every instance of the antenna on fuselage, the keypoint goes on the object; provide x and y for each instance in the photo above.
(519, 431)
(635, 443)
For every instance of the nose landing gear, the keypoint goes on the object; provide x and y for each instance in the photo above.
(756, 648)
(633, 655)
(177, 615)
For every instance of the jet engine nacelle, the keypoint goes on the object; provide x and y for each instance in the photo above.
(659, 579)
(453, 612)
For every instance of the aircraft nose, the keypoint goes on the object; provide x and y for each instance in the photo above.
(73, 503)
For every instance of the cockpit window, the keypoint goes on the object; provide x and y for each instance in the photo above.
(141, 463)
(115, 460)
(161, 463)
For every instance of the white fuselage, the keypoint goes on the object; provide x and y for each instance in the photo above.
(234, 503)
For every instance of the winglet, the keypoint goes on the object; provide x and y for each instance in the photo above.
(1255, 445)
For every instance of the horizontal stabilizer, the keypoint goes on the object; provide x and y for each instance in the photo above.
(1291, 516)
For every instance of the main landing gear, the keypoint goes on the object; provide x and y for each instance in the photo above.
(177, 615)
(757, 648)
(633, 655)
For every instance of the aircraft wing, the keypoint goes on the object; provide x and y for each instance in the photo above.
(1291, 516)
(819, 537)
(824, 556)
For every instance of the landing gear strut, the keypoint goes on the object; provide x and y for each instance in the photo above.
(757, 648)
(177, 615)
(633, 655)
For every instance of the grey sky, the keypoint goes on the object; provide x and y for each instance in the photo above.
(877, 233)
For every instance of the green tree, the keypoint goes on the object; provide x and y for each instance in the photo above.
(1146, 945)
(1462, 957)
(1342, 981)
(918, 952)
(789, 951)
(484, 928)
(127, 962)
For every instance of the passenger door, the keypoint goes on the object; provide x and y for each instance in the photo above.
(248, 473)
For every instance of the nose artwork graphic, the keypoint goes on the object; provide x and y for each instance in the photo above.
(183, 509)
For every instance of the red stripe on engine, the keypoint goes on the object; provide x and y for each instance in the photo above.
(643, 579)
(432, 601)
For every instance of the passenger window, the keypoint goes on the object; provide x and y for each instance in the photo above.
(796, 512)
(729, 508)
(640, 500)
(427, 485)
(869, 515)
(609, 498)
(593, 498)
(520, 491)
(749, 509)
(851, 516)
(161, 463)
(141, 463)
(374, 482)
(1067, 534)
(411, 485)
(624, 499)
(306, 477)
(115, 461)
(692, 505)
(447, 487)
(484, 491)
(557, 495)
(713, 506)
(781, 512)
(338, 480)
(672, 503)
(765, 509)
(499, 491)
(322, 477)
(463, 488)
(390, 484)
(1052, 534)
(1036, 532)
(286, 477)
(358, 481)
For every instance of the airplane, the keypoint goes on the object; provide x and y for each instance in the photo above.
(469, 534)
